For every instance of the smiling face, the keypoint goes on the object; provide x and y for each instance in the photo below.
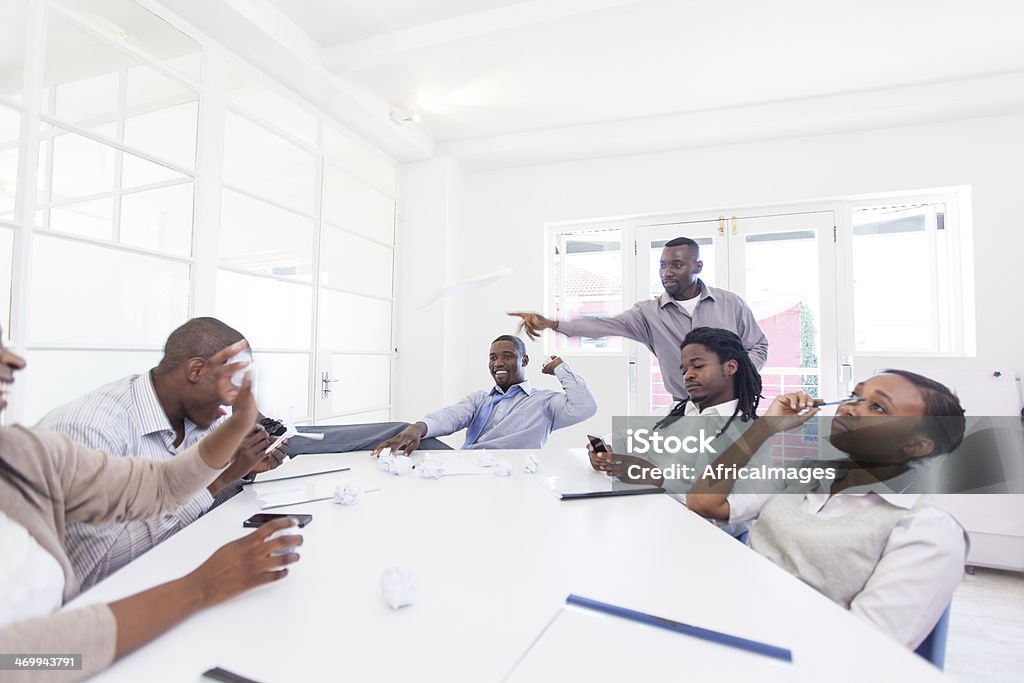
(708, 380)
(885, 425)
(678, 269)
(506, 364)
(10, 363)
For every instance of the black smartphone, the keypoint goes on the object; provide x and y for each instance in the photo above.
(598, 443)
(262, 518)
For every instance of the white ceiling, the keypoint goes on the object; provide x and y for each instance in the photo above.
(333, 22)
(520, 82)
(585, 62)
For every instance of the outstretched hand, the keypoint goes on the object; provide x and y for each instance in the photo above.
(405, 441)
(534, 323)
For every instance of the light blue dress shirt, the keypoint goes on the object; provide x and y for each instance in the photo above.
(525, 419)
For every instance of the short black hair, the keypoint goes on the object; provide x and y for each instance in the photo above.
(943, 421)
(520, 346)
(684, 242)
(199, 337)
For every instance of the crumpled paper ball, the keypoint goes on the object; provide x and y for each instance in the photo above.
(250, 368)
(502, 468)
(348, 493)
(398, 588)
(486, 460)
(293, 530)
(431, 467)
(530, 466)
(395, 464)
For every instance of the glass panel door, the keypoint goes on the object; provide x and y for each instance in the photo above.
(651, 396)
(783, 267)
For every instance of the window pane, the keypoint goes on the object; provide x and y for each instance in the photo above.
(13, 20)
(159, 219)
(88, 219)
(895, 250)
(168, 133)
(338, 310)
(370, 167)
(87, 98)
(593, 284)
(249, 93)
(352, 263)
(85, 294)
(54, 378)
(6, 278)
(270, 313)
(146, 86)
(283, 385)
(141, 29)
(136, 172)
(267, 165)
(787, 306)
(364, 382)
(358, 207)
(10, 121)
(81, 167)
(261, 238)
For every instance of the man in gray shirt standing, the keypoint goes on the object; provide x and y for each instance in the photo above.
(661, 323)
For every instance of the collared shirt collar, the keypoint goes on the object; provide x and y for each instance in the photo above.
(152, 418)
(905, 501)
(524, 386)
(722, 409)
(705, 293)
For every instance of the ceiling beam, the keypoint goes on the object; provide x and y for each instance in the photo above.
(388, 47)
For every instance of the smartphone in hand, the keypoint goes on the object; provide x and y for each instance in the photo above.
(598, 443)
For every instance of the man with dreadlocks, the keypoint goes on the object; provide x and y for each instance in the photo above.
(721, 380)
(724, 388)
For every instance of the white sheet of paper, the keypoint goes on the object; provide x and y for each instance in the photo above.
(291, 491)
(463, 286)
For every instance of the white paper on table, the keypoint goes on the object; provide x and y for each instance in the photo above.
(463, 286)
(272, 493)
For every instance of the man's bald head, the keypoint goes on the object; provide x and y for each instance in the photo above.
(198, 338)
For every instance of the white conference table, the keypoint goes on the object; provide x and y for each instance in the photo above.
(494, 559)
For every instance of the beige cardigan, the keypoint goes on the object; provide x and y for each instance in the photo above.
(83, 485)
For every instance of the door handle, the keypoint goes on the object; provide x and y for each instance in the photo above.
(846, 373)
(325, 384)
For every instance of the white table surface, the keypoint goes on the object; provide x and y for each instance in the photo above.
(494, 559)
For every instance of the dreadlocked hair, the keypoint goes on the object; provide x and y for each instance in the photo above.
(746, 383)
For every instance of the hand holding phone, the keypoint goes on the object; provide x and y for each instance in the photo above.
(600, 454)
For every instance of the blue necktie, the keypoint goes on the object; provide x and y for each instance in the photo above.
(484, 414)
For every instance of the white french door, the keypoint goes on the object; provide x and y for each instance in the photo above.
(784, 267)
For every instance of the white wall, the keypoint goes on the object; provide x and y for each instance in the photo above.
(504, 212)
(429, 207)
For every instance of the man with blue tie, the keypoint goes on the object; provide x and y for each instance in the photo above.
(512, 414)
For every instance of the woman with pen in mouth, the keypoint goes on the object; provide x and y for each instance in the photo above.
(47, 480)
(890, 557)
